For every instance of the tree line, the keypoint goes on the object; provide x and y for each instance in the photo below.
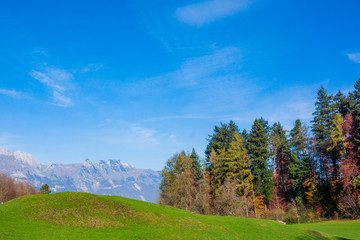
(10, 188)
(299, 175)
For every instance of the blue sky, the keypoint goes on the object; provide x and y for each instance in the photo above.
(139, 80)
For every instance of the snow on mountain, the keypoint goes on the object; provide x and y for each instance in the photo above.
(111, 177)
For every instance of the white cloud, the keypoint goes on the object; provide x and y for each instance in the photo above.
(10, 141)
(186, 116)
(216, 83)
(12, 93)
(58, 81)
(196, 72)
(61, 100)
(92, 68)
(355, 57)
(145, 133)
(201, 13)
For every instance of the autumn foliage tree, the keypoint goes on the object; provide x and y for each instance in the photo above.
(10, 189)
(302, 173)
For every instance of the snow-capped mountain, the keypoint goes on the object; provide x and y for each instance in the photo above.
(111, 177)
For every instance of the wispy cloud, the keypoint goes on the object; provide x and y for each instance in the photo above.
(145, 133)
(202, 13)
(128, 134)
(284, 105)
(92, 68)
(185, 116)
(355, 57)
(195, 72)
(10, 141)
(13, 93)
(58, 81)
(210, 85)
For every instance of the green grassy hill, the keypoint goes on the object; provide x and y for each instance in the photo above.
(89, 216)
(339, 229)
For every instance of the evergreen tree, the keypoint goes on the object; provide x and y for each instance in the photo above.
(195, 164)
(45, 189)
(259, 156)
(282, 158)
(300, 162)
(221, 138)
(323, 116)
(356, 111)
(245, 136)
(343, 103)
(236, 165)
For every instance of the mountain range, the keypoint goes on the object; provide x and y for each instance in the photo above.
(110, 177)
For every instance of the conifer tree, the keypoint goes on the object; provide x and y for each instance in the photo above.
(300, 162)
(356, 111)
(259, 156)
(236, 165)
(221, 138)
(282, 158)
(323, 116)
(343, 103)
(195, 164)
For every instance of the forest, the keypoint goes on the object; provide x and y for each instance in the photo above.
(302, 175)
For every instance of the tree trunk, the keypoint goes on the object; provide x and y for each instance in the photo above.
(252, 185)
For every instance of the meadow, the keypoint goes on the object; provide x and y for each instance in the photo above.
(88, 216)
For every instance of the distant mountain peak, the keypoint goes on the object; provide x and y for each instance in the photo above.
(25, 158)
(111, 177)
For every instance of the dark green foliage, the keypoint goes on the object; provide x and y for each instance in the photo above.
(300, 161)
(221, 138)
(356, 111)
(245, 136)
(343, 104)
(259, 155)
(281, 154)
(195, 164)
(323, 115)
(327, 128)
(45, 189)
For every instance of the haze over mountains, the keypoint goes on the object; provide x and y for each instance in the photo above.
(111, 177)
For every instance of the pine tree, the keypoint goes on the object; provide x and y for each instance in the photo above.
(195, 164)
(323, 116)
(259, 156)
(221, 138)
(45, 189)
(282, 159)
(300, 162)
(356, 112)
(236, 165)
(343, 103)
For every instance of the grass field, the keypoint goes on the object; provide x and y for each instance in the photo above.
(88, 216)
(339, 229)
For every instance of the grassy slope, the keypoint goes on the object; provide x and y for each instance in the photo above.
(340, 229)
(88, 216)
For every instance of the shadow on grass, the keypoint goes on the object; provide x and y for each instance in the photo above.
(319, 236)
